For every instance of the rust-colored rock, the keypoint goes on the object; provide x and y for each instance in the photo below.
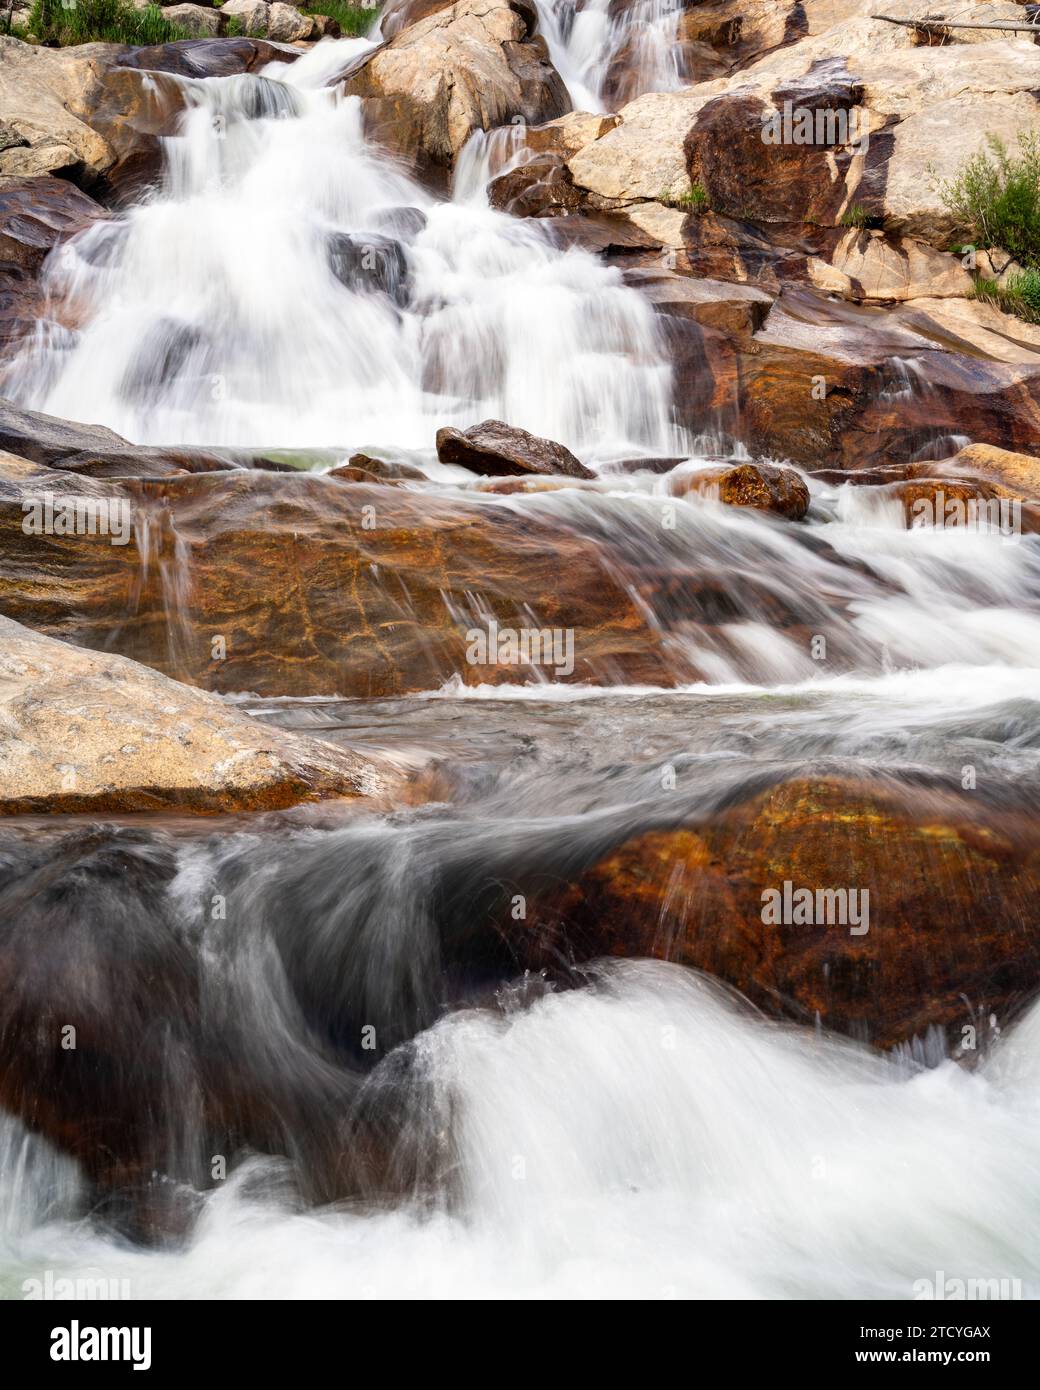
(828, 384)
(36, 214)
(319, 588)
(760, 485)
(1008, 474)
(541, 187)
(952, 932)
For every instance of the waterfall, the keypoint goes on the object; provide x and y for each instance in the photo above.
(361, 1048)
(587, 40)
(291, 285)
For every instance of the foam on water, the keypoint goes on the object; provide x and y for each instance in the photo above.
(247, 304)
(639, 1138)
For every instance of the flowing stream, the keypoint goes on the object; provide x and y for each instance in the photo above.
(622, 1128)
(609, 53)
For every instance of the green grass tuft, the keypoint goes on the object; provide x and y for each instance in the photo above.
(100, 21)
(694, 201)
(1019, 294)
(354, 20)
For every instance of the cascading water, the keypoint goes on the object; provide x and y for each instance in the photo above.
(246, 304)
(587, 1129)
(608, 52)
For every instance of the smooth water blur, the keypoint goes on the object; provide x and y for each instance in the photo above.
(611, 1130)
(290, 285)
(609, 53)
(639, 1138)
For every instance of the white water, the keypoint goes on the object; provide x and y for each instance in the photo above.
(640, 1138)
(584, 43)
(213, 314)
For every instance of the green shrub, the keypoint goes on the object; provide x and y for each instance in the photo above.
(100, 21)
(1019, 294)
(997, 196)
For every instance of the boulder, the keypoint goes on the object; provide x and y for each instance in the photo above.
(94, 451)
(36, 214)
(206, 57)
(472, 66)
(321, 587)
(48, 157)
(744, 31)
(829, 384)
(868, 266)
(569, 133)
(642, 158)
(109, 105)
(738, 311)
(399, 14)
(41, 97)
(944, 502)
(91, 732)
(496, 449)
(951, 933)
(371, 263)
(254, 15)
(200, 21)
(10, 138)
(760, 485)
(47, 438)
(537, 187)
(286, 24)
(910, 117)
(363, 468)
(1008, 474)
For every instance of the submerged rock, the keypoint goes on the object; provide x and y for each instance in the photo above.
(760, 485)
(366, 262)
(950, 932)
(323, 588)
(497, 450)
(88, 731)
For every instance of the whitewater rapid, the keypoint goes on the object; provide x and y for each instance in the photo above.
(641, 1138)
